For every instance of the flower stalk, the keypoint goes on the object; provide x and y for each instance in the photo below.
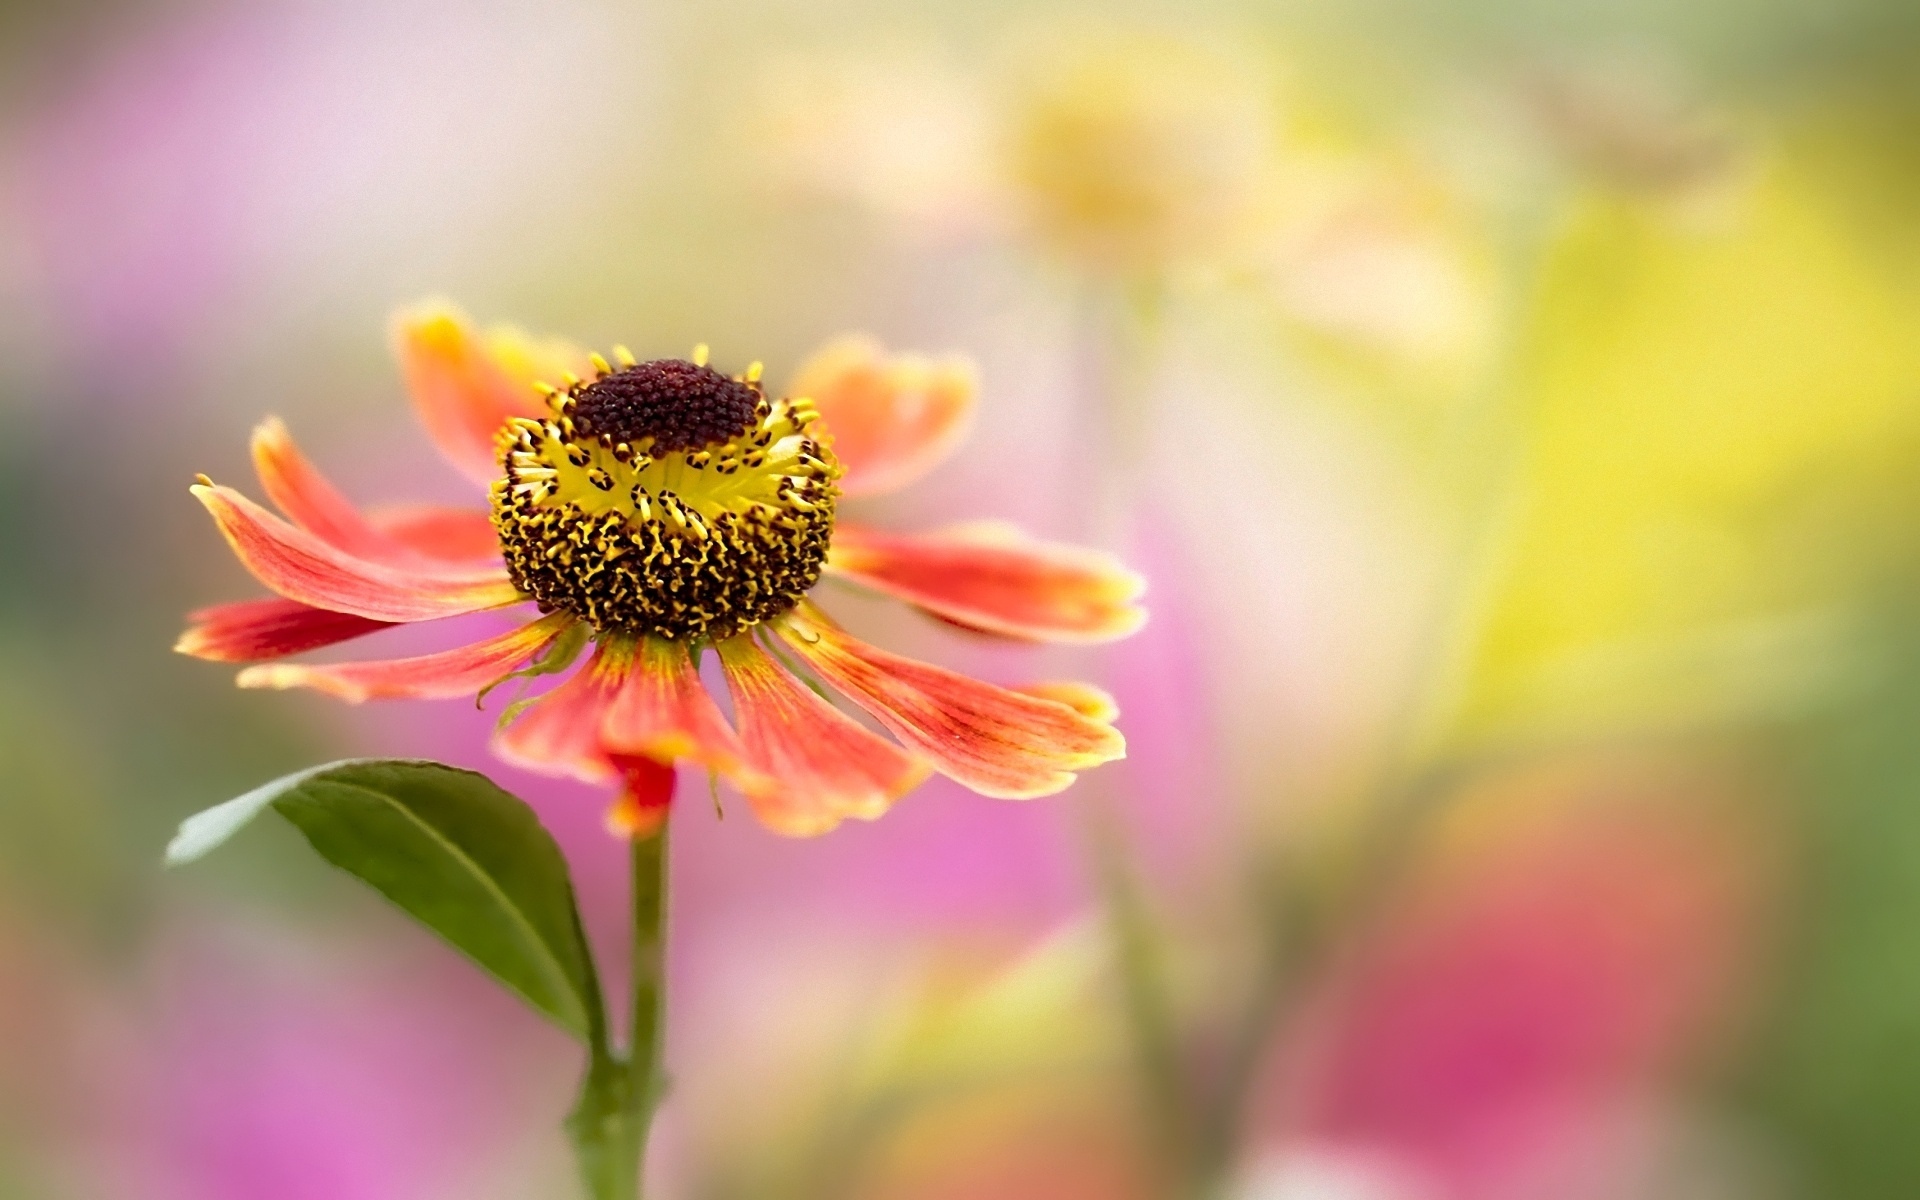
(614, 1113)
(1143, 986)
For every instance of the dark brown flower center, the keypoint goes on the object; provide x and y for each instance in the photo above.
(666, 499)
(680, 405)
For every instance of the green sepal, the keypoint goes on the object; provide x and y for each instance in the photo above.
(556, 657)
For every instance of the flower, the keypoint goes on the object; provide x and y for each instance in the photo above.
(658, 510)
(1134, 149)
(1139, 155)
(1544, 976)
(1120, 150)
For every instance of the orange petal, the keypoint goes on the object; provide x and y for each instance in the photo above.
(248, 630)
(465, 385)
(997, 742)
(458, 672)
(892, 418)
(993, 578)
(640, 810)
(299, 490)
(665, 713)
(1083, 698)
(559, 733)
(301, 567)
(824, 765)
(431, 531)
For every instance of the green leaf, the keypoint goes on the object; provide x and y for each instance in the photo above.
(463, 857)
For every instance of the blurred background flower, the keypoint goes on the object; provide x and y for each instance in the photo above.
(1515, 408)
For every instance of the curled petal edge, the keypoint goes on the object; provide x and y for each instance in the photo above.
(270, 627)
(465, 385)
(663, 712)
(461, 671)
(558, 732)
(299, 489)
(890, 418)
(992, 578)
(824, 766)
(302, 567)
(998, 742)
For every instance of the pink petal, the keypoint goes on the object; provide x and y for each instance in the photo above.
(301, 567)
(993, 578)
(664, 712)
(995, 741)
(824, 765)
(1091, 702)
(450, 673)
(891, 418)
(559, 733)
(249, 630)
(461, 535)
(465, 385)
(299, 490)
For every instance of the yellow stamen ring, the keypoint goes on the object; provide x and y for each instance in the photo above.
(665, 498)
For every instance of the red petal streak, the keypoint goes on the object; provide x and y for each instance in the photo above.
(995, 579)
(465, 385)
(665, 713)
(824, 765)
(892, 418)
(301, 567)
(299, 490)
(559, 734)
(640, 810)
(997, 742)
(458, 672)
(462, 535)
(249, 630)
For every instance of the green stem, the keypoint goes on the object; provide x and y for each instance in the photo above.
(1479, 456)
(1117, 326)
(1150, 1020)
(606, 1144)
(611, 1118)
(649, 986)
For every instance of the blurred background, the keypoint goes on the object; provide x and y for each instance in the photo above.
(1515, 407)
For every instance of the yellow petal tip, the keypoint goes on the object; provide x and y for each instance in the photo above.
(435, 322)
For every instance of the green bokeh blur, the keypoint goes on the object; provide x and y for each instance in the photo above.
(1497, 384)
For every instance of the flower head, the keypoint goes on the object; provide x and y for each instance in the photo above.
(656, 511)
(666, 499)
(1134, 150)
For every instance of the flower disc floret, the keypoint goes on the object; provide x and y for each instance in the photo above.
(679, 405)
(665, 499)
